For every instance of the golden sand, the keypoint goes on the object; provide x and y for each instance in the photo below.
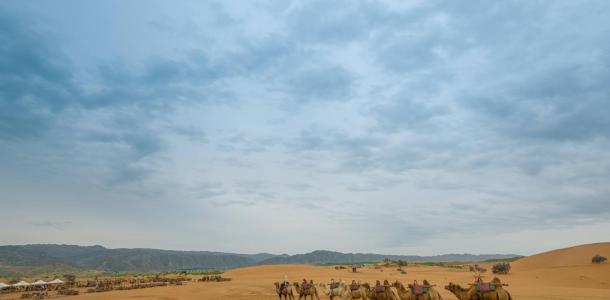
(565, 274)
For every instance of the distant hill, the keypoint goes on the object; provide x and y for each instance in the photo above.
(122, 260)
(51, 256)
(329, 257)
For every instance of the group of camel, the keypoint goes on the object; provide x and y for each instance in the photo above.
(492, 291)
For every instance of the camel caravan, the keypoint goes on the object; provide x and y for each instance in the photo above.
(213, 278)
(340, 290)
(124, 284)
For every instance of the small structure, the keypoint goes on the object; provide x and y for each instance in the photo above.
(21, 284)
(56, 281)
(39, 282)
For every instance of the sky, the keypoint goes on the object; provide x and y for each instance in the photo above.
(397, 127)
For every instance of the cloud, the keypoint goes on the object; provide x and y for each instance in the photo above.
(319, 84)
(406, 113)
(35, 83)
(429, 120)
(310, 22)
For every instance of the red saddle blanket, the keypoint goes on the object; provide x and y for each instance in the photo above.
(354, 287)
(486, 287)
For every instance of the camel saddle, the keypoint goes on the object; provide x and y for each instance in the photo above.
(354, 287)
(419, 289)
(334, 286)
(485, 287)
(306, 286)
(284, 285)
(379, 288)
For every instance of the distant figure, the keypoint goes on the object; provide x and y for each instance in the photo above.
(333, 284)
(378, 287)
(285, 283)
(305, 284)
(354, 286)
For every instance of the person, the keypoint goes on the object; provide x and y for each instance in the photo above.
(333, 284)
(285, 283)
(417, 289)
(378, 287)
(354, 286)
(305, 284)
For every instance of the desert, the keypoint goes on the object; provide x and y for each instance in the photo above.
(563, 274)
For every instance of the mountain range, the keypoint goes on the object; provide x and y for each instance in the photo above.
(72, 257)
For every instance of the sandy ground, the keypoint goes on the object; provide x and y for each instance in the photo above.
(563, 274)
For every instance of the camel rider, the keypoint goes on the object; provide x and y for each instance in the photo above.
(378, 287)
(333, 284)
(285, 283)
(305, 284)
(354, 285)
(417, 289)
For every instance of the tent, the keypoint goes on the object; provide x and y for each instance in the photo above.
(21, 283)
(56, 281)
(39, 282)
(3, 285)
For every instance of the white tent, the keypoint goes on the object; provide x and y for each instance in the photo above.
(21, 283)
(3, 285)
(39, 282)
(56, 281)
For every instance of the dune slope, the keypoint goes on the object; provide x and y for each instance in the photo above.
(568, 257)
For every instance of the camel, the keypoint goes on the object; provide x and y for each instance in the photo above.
(340, 291)
(383, 292)
(472, 294)
(361, 292)
(285, 291)
(310, 291)
(407, 293)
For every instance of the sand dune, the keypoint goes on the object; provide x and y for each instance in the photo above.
(567, 257)
(565, 274)
(569, 267)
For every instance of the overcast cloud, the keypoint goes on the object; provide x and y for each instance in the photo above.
(407, 127)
